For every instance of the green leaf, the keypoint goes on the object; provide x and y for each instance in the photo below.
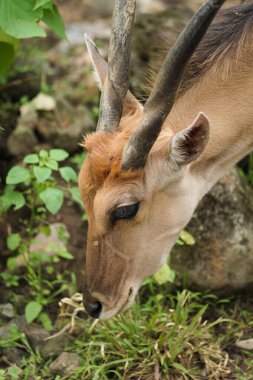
(43, 153)
(16, 175)
(45, 230)
(58, 154)
(53, 19)
(8, 46)
(40, 3)
(12, 263)
(164, 274)
(46, 322)
(13, 241)
(68, 174)
(76, 196)
(31, 159)
(52, 164)
(32, 311)
(42, 174)
(79, 158)
(53, 199)
(12, 198)
(187, 238)
(13, 373)
(65, 254)
(18, 19)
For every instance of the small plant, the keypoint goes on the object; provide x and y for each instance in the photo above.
(20, 19)
(35, 187)
(39, 188)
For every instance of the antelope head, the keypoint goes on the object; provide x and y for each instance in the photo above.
(133, 180)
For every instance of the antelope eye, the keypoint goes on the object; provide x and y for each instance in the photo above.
(126, 212)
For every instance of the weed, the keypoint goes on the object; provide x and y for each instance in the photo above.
(34, 186)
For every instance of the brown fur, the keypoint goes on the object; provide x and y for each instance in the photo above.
(103, 164)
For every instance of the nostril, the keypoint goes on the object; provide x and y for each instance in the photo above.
(93, 309)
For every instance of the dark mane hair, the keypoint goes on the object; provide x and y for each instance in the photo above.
(223, 40)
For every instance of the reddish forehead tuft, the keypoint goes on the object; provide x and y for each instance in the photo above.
(103, 163)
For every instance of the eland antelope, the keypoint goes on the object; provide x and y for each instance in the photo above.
(148, 167)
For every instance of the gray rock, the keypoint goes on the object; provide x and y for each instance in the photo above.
(35, 333)
(21, 141)
(6, 330)
(67, 132)
(246, 344)
(15, 355)
(9, 330)
(55, 346)
(222, 258)
(7, 310)
(28, 115)
(67, 362)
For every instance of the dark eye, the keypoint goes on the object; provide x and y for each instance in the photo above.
(126, 212)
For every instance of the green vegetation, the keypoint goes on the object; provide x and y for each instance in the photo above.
(167, 335)
(20, 19)
(34, 186)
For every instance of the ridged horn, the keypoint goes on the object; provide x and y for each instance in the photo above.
(163, 95)
(116, 81)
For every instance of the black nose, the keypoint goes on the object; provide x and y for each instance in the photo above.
(93, 309)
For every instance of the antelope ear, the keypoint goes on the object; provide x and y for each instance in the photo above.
(99, 66)
(187, 145)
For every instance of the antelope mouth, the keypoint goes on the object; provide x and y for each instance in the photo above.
(107, 314)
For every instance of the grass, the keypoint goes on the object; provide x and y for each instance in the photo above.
(168, 336)
(165, 335)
